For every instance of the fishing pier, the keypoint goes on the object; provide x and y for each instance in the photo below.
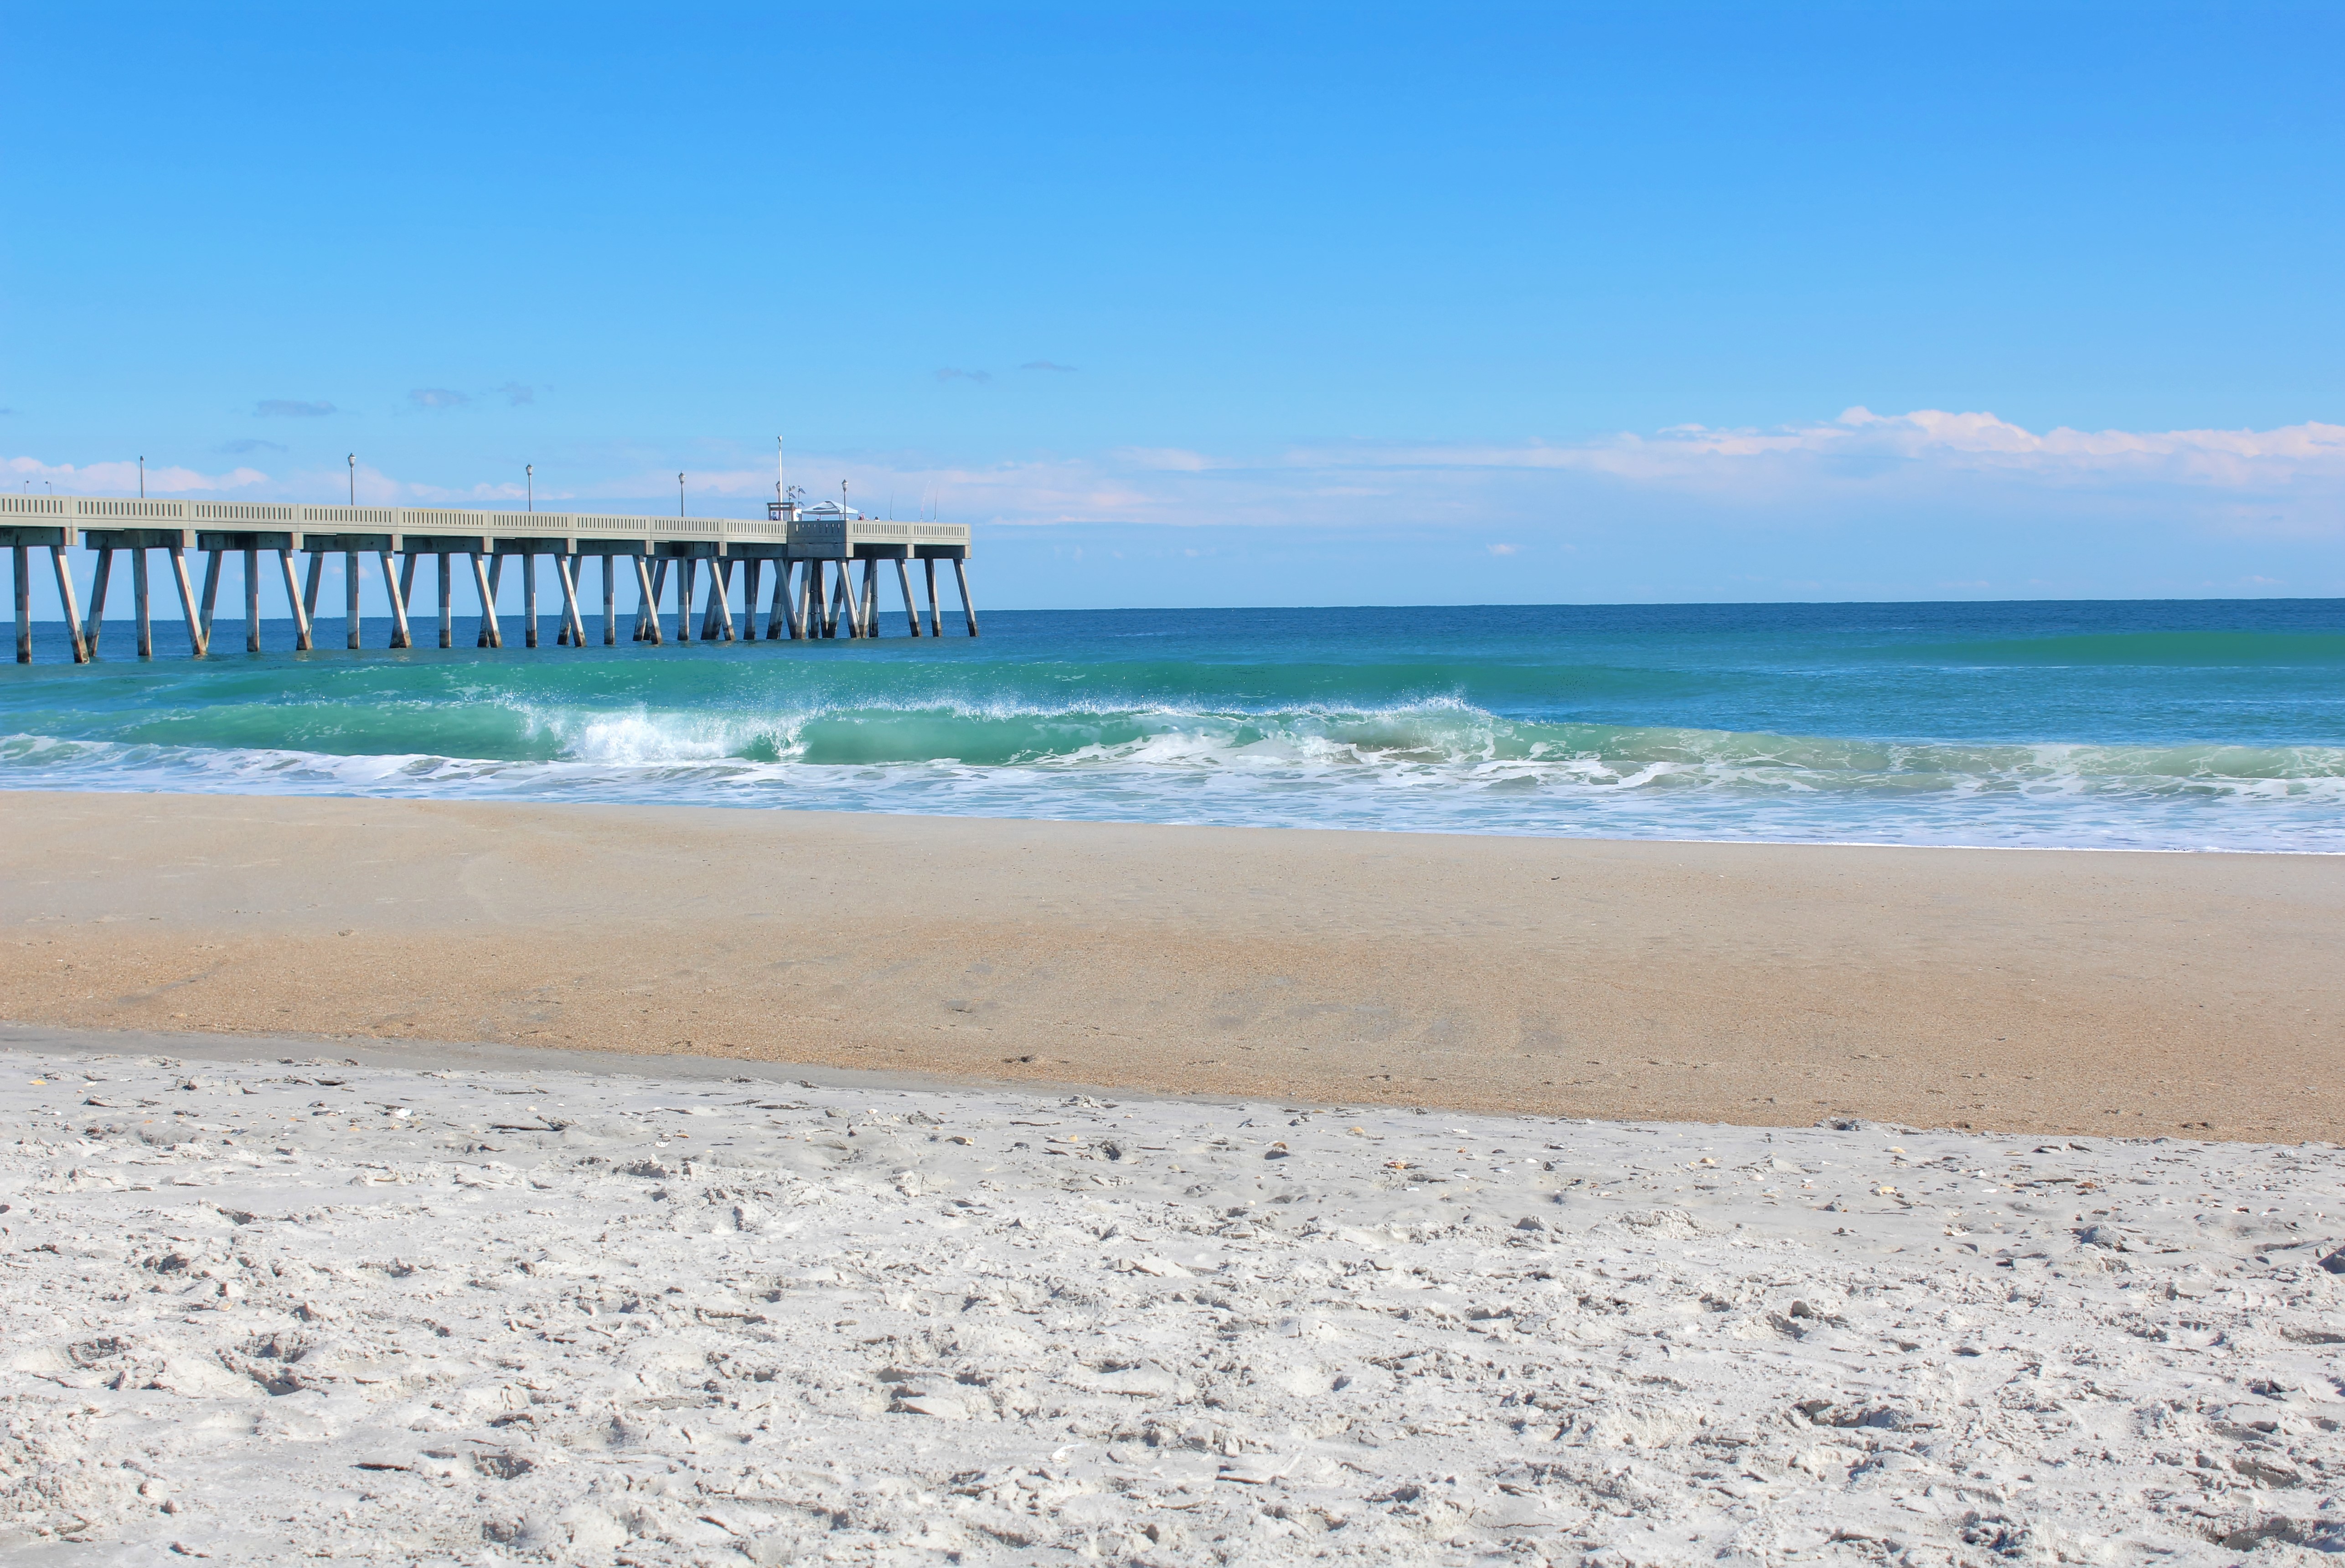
(810, 553)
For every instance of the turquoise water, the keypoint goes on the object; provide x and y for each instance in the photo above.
(2179, 725)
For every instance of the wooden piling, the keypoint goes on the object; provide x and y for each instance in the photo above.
(143, 606)
(301, 642)
(397, 586)
(968, 607)
(200, 631)
(252, 602)
(66, 598)
(936, 625)
(98, 585)
(447, 606)
(23, 555)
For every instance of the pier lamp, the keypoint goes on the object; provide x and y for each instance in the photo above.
(142, 479)
(354, 477)
(529, 478)
(679, 495)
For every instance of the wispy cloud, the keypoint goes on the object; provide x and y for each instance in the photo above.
(949, 374)
(1861, 470)
(247, 447)
(122, 478)
(1048, 365)
(515, 394)
(1862, 447)
(290, 409)
(437, 398)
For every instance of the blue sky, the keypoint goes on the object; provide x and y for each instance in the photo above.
(1238, 304)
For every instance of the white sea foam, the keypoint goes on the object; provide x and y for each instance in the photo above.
(1445, 768)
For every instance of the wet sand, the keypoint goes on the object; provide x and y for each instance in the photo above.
(2025, 991)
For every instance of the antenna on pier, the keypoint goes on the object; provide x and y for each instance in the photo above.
(679, 495)
(779, 494)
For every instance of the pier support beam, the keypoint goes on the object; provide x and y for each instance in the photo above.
(719, 612)
(529, 600)
(211, 595)
(783, 618)
(904, 581)
(491, 635)
(610, 606)
(252, 602)
(870, 606)
(396, 585)
(687, 572)
(97, 586)
(309, 587)
(350, 599)
(293, 597)
(406, 594)
(22, 555)
(647, 626)
(752, 573)
(936, 625)
(447, 606)
(66, 598)
(143, 603)
(968, 607)
(574, 629)
(200, 631)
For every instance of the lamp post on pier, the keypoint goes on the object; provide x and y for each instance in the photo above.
(529, 478)
(679, 495)
(354, 477)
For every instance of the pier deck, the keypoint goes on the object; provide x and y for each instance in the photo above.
(812, 561)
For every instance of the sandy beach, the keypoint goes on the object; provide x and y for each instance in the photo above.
(2028, 991)
(429, 1307)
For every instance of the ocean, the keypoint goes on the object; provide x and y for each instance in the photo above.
(2177, 725)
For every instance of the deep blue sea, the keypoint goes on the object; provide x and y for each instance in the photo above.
(2199, 724)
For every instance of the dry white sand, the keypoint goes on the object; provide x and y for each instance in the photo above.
(266, 1311)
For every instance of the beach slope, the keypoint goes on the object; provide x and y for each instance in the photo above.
(2194, 994)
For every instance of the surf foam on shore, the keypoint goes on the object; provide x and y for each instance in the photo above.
(268, 1311)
